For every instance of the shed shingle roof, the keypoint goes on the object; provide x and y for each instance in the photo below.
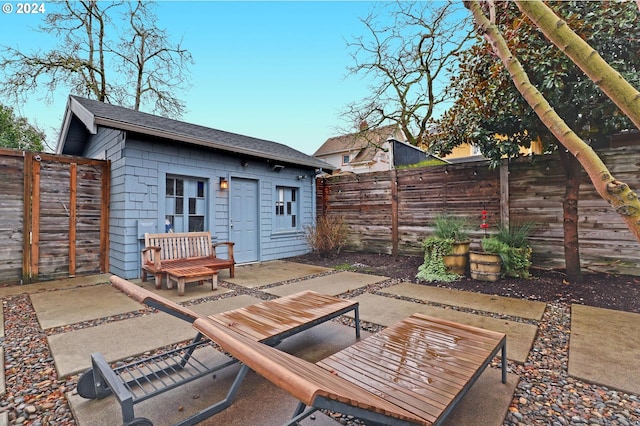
(94, 113)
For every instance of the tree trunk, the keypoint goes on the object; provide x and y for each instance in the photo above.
(623, 94)
(572, 169)
(618, 194)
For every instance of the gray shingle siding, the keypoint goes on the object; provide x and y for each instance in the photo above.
(140, 163)
(138, 185)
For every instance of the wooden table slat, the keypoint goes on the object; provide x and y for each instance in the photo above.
(424, 371)
(261, 321)
(392, 388)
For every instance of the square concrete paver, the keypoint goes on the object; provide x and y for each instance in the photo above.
(386, 311)
(265, 273)
(604, 347)
(121, 339)
(331, 284)
(466, 299)
(64, 307)
(71, 306)
(38, 287)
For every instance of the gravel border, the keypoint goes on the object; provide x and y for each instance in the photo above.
(545, 395)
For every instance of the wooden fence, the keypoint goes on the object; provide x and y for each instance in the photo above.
(392, 212)
(54, 215)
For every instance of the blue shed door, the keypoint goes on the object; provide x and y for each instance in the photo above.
(244, 219)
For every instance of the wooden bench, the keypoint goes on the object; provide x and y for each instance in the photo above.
(162, 252)
(411, 373)
(268, 322)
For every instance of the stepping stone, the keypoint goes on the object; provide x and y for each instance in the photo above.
(122, 339)
(72, 306)
(466, 299)
(64, 307)
(332, 284)
(604, 347)
(261, 274)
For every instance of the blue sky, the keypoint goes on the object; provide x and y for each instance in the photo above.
(272, 70)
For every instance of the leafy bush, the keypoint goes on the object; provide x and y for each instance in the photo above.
(448, 230)
(433, 268)
(329, 235)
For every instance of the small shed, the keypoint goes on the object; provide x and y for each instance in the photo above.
(169, 175)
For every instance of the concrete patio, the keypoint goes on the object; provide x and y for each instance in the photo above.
(259, 402)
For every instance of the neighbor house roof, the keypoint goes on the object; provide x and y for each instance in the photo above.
(94, 113)
(366, 142)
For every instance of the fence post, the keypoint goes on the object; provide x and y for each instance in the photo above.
(504, 192)
(27, 170)
(105, 216)
(394, 212)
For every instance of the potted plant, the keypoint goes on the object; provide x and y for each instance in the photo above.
(446, 250)
(507, 253)
(516, 259)
(486, 264)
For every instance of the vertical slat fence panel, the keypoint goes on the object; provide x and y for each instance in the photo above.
(89, 220)
(11, 215)
(54, 216)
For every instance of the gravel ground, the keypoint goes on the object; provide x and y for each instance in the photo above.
(546, 395)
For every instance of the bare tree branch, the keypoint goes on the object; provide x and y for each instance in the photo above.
(409, 62)
(140, 67)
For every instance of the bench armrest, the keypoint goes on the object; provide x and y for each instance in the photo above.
(229, 245)
(146, 254)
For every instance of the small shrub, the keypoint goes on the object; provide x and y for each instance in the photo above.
(515, 235)
(494, 246)
(433, 269)
(329, 235)
(455, 228)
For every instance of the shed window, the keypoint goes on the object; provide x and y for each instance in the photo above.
(286, 208)
(185, 204)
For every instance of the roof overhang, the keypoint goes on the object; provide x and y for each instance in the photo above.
(92, 122)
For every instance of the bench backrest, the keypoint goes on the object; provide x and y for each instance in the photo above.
(180, 245)
(302, 379)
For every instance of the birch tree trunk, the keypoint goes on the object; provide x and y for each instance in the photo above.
(623, 94)
(618, 194)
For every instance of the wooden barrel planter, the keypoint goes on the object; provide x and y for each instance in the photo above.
(456, 262)
(484, 266)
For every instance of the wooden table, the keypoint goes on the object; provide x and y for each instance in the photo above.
(422, 364)
(191, 274)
